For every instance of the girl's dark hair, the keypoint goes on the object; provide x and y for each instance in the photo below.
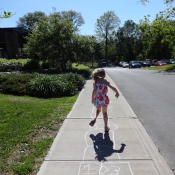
(99, 73)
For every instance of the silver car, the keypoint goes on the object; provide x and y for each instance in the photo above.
(125, 64)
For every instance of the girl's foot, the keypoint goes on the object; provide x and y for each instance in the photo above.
(92, 122)
(107, 129)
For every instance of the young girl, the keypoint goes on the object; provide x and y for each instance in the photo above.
(99, 96)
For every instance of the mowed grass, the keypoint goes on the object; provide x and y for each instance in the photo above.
(22, 61)
(27, 128)
(87, 65)
(168, 67)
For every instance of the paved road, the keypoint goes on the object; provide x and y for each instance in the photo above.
(151, 94)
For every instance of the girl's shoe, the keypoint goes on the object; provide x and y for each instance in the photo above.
(92, 122)
(107, 129)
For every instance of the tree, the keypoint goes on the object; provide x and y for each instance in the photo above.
(52, 39)
(75, 17)
(165, 1)
(105, 28)
(98, 53)
(83, 46)
(127, 44)
(158, 38)
(5, 14)
(29, 19)
(168, 13)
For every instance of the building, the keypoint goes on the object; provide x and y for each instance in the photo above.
(11, 39)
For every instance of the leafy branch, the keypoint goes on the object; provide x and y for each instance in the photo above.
(5, 14)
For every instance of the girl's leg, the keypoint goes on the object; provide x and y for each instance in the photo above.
(98, 110)
(105, 118)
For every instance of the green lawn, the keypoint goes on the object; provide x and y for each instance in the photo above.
(22, 61)
(168, 67)
(28, 127)
(87, 65)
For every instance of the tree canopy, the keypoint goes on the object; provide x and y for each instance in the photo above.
(75, 17)
(51, 39)
(165, 1)
(54, 39)
(157, 38)
(106, 27)
(29, 19)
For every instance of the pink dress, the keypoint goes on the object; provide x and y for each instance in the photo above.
(101, 98)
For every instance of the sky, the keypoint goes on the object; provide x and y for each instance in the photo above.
(90, 10)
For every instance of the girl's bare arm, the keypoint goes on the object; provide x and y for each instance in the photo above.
(93, 93)
(114, 89)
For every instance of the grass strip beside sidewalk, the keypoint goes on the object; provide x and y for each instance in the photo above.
(168, 67)
(27, 128)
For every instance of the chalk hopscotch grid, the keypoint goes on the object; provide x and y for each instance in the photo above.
(103, 169)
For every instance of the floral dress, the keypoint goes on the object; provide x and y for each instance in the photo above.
(101, 98)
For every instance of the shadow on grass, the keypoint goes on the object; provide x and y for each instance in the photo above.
(170, 69)
(166, 71)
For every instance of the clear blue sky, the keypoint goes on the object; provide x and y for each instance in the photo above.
(90, 10)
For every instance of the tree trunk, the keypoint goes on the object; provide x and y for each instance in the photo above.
(106, 46)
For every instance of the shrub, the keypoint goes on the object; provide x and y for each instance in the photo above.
(31, 65)
(74, 78)
(44, 85)
(41, 85)
(84, 72)
(15, 84)
(45, 65)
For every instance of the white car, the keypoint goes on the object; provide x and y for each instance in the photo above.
(125, 64)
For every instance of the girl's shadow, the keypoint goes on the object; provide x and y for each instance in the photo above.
(104, 147)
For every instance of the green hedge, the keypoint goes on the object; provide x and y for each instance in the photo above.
(15, 84)
(41, 85)
(84, 72)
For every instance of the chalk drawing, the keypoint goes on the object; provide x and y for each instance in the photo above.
(99, 146)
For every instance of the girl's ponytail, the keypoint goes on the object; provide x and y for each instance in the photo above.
(99, 73)
(95, 76)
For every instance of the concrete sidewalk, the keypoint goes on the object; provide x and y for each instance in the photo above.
(79, 149)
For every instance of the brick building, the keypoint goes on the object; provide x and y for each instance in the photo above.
(11, 39)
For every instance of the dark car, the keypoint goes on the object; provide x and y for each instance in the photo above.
(104, 64)
(164, 60)
(145, 64)
(153, 61)
(120, 63)
(171, 61)
(134, 64)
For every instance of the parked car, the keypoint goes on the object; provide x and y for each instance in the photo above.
(134, 64)
(165, 60)
(171, 61)
(117, 63)
(125, 64)
(145, 64)
(148, 61)
(153, 61)
(104, 64)
(120, 63)
(160, 63)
